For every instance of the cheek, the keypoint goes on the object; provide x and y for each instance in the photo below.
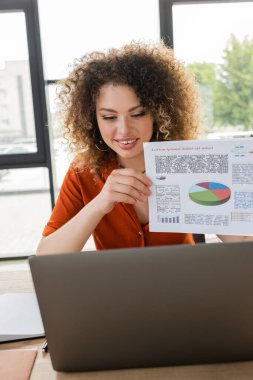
(101, 126)
(149, 128)
(104, 131)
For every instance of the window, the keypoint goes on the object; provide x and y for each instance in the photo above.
(215, 40)
(25, 194)
(25, 207)
(75, 27)
(17, 120)
(22, 95)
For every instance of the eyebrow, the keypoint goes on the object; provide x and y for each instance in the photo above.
(111, 110)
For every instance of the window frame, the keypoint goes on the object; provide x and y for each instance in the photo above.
(41, 158)
(166, 15)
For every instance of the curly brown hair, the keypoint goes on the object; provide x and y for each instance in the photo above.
(163, 85)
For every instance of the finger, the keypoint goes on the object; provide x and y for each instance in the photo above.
(126, 189)
(133, 173)
(124, 198)
(135, 182)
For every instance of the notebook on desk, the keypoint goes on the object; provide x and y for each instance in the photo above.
(144, 307)
(19, 317)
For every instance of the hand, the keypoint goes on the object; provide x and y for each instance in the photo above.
(123, 185)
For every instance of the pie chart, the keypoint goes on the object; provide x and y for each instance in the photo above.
(209, 193)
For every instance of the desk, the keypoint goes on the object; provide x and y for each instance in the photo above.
(20, 281)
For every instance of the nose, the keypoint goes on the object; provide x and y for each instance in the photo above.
(123, 125)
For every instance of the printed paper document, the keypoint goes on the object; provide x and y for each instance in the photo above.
(202, 186)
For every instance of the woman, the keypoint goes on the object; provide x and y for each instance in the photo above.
(112, 103)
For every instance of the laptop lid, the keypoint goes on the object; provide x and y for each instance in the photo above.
(143, 307)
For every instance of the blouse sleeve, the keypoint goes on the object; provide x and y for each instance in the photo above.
(69, 202)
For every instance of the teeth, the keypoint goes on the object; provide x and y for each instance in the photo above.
(127, 142)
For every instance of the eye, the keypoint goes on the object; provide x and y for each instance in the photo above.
(108, 117)
(139, 114)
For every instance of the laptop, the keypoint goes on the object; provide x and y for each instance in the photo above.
(147, 307)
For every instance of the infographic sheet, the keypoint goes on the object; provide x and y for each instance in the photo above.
(201, 186)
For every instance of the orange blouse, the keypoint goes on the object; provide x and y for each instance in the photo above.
(118, 229)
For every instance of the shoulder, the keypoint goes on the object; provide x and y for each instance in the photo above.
(85, 176)
(78, 177)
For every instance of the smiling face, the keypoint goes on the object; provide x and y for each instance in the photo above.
(123, 123)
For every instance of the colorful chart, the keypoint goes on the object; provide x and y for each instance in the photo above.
(209, 193)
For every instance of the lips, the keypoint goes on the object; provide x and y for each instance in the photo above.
(127, 143)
